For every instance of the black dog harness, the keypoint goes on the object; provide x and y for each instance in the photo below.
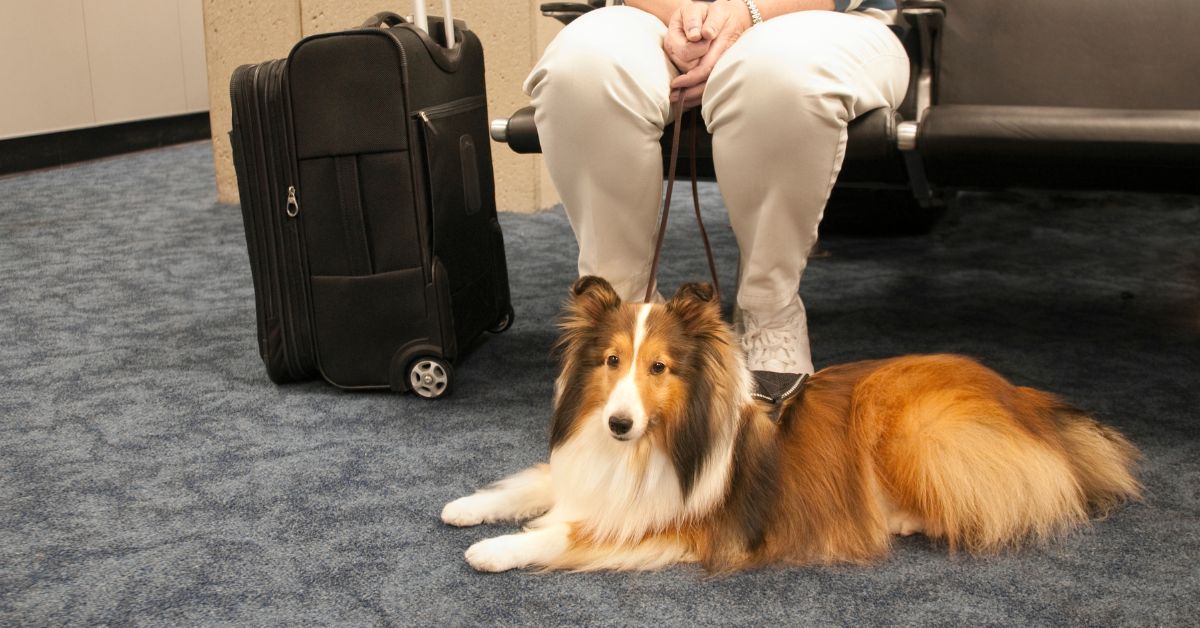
(777, 388)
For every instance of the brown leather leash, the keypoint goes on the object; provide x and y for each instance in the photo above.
(773, 388)
(677, 107)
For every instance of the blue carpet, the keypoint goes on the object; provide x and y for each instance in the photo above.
(151, 474)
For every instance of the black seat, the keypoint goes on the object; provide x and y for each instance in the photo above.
(1061, 147)
(1065, 93)
(1036, 93)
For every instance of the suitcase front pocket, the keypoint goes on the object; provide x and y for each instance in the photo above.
(460, 186)
(361, 321)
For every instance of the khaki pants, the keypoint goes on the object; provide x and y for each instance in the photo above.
(777, 105)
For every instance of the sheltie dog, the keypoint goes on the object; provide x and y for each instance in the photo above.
(660, 454)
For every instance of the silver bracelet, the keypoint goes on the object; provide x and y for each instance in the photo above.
(755, 16)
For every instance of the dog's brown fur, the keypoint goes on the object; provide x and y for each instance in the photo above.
(936, 443)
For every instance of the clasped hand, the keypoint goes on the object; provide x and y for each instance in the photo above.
(697, 35)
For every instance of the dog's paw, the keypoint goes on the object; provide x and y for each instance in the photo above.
(464, 511)
(496, 554)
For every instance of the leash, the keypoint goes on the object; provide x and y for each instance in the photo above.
(773, 388)
(677, 107)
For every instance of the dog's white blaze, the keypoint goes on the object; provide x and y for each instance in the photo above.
(625, 398)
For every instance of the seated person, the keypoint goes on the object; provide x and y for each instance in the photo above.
(777, 82)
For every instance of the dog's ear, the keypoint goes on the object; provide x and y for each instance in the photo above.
(589, 302)
(696, 303)
(592, 298)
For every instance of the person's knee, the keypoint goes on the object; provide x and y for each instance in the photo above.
(759, 94)
(779, 71)
(598, 51)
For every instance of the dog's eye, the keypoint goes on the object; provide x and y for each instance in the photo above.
(658, 368)
(612, 361)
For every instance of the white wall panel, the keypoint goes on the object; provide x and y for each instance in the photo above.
(45, 83)
(135, 51)
(195, 70)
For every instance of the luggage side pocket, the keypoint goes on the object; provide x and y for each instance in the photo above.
(361, 321)
(294, 311)
(461, 194)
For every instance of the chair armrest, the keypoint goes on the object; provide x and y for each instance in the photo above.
(925, 18)
(518, 131)
(566, 12)
(938, 5)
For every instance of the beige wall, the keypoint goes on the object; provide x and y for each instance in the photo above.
(513, 34)
(66, 64)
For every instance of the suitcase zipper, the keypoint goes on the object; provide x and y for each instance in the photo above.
(287, 270)
(298, 356)
(431, 113)
(283, 269)
(293, 206)
(305, 341)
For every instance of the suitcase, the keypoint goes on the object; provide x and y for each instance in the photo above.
(364, 167)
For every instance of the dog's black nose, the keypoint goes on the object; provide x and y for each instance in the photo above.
(619, 424)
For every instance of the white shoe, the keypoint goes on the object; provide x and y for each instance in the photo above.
(776, 342)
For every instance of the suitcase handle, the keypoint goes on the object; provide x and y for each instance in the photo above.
(383, 18)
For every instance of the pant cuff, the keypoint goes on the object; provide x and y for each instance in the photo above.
(765, 303)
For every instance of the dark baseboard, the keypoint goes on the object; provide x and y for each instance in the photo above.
(65, 147)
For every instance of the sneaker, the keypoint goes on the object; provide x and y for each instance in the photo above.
(777, 342)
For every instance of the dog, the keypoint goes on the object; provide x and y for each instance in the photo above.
(659, 454)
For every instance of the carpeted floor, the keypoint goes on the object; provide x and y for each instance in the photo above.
(151, 474)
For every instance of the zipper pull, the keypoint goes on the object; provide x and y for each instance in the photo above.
(428, 123)
(293, 206)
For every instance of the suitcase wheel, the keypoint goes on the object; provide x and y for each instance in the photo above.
(504, 323)
(430, 377)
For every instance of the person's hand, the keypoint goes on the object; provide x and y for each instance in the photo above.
(685, 45)
(698, 34)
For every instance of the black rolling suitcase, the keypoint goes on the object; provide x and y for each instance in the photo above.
(367, 194)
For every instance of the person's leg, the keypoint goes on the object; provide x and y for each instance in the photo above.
(777, 104)
(601, 99)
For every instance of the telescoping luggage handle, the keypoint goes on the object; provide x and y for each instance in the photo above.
(420, 19)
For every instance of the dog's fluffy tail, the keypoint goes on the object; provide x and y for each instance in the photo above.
(1102, 460)
(985, 464)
